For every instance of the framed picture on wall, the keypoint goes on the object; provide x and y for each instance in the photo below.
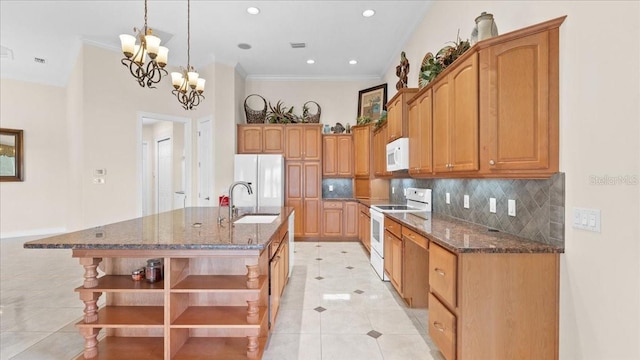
(11, 155)
(372, 101)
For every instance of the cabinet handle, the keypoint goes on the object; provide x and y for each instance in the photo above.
(438, 326)
(440, 271)
(491, 162)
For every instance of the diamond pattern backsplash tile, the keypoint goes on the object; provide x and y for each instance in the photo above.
(539, 203)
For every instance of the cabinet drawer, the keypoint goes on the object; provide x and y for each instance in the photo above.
(415, 237)
(442, 328)
(332, 204)
(443, 273)
(393, 227)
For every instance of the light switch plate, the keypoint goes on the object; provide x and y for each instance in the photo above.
(330, 187)
(492, 205)
(586, 219)
(447, 198)
(98, 181)
(511, 210)
(466, 201)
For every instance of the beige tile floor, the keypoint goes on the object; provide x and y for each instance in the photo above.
(334, 307)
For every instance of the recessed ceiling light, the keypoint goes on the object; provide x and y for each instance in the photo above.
(368, 13)
(311, 61)
(353, 62)
(253, 10)
(244, 46)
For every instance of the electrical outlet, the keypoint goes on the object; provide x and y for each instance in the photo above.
(393, 190)
(98, 181)
(330, 187)
(511, 207)
(466, 201)
(492, 205)
(404, 192)
(447, 198)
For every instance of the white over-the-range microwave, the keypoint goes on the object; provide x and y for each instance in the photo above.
(398, 154)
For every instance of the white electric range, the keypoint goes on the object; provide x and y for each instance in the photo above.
(418, 200)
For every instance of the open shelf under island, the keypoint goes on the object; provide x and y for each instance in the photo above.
(218, 298)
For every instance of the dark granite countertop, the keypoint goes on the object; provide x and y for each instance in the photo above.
(192, 228)
(464, 237)
(368, 202)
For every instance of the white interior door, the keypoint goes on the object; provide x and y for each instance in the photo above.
(164, 174)
(205, 165)
(147, 176)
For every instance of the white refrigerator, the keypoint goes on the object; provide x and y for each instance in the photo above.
(266, 175)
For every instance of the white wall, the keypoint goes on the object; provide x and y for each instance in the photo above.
(600, 135)
(338, 99)
(37, 204)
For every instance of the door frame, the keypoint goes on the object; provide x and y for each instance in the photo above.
(198, 160)
(188, 153)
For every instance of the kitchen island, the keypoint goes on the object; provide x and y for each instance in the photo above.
(218, 297)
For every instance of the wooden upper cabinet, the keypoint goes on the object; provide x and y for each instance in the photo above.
(380, 151)
(397, 113)
(260, 139)
(337, 156)
(362, 150)
(420, 139)
(519, 105)
(455, 118)
(273, 139)
(303, 142)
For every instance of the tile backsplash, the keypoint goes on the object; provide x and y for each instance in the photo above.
(342, 188)
(539, 203)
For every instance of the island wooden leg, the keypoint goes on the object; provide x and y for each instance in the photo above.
(253, 272)
(90, 342)
(90, 272)
(90, 306)
(252, 311)
(252, 348)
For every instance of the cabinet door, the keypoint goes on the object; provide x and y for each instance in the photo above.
(332, 222)
(294, 193)
(344, 156)
(249, 139)
(294, 138)
(275, 269)
(414, 139)
(441, 108)
(425, 120)
(312, 149)
(311, 179)
(273, 139)
(463, 125)
(380, 151)
(329, 155)
(350, 220)
(362, 148)
(396, 264)
(394, 119)
(519, 130)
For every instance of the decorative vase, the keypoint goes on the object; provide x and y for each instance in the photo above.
(485, 28)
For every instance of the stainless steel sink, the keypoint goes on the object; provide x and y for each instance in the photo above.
(257, 219)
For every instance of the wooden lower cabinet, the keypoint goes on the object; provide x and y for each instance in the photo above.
(339, 219)
(494, 305)
(415, 283)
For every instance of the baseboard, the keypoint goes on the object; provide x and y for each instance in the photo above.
(35, 232)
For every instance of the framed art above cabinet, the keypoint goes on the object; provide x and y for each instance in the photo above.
(11, 155)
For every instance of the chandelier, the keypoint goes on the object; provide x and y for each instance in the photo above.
(136, 55)
(187, 84)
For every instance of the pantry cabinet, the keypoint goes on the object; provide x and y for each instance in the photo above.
(455, 117)
(519, 104)
(260, 139)
(303, 193)
(337, 156)
(397, 114)
(420, 137)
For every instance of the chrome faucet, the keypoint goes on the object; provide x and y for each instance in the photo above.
(231, 206)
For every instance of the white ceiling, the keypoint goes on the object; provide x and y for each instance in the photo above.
(334, 31)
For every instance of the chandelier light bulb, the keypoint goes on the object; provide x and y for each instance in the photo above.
(128, 43)
(192, 77)
(200, 86)
(139, 54)
(176, 79)
(163, 54)
(153, 45)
